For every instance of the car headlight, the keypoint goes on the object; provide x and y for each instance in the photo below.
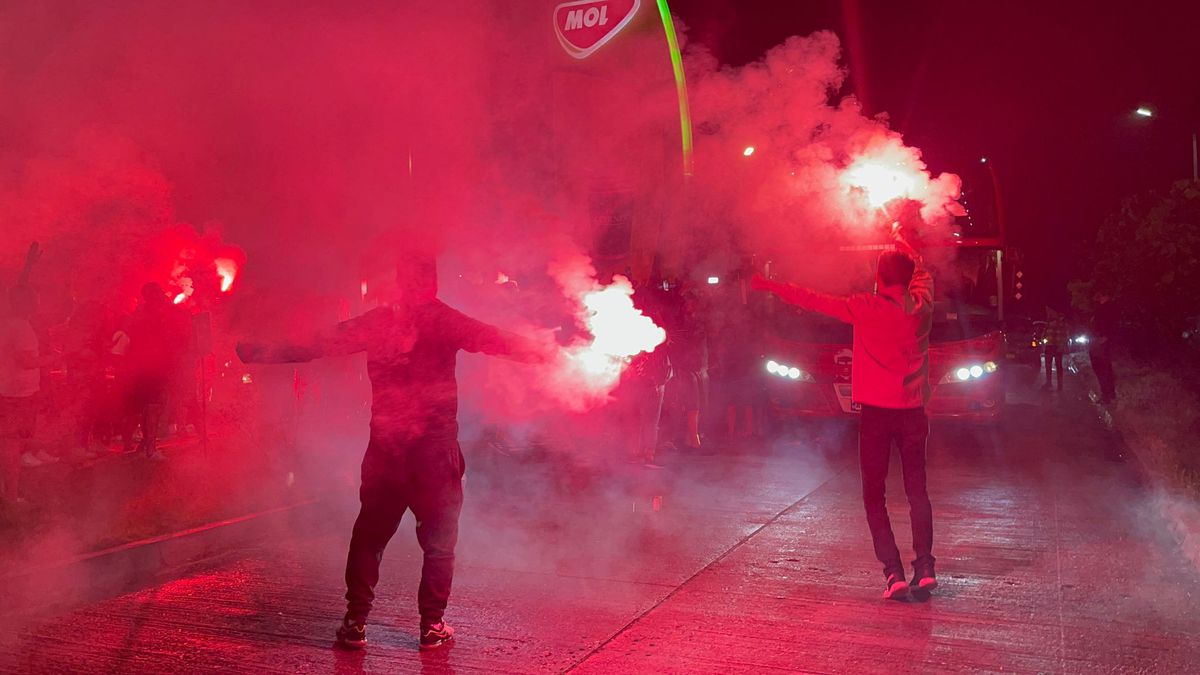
(1082, 340)
(968, 372)
(788, 372)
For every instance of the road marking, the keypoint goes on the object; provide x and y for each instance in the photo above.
(738, 544)
(1062, 637)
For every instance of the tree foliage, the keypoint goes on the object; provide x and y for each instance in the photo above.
(1146, 257)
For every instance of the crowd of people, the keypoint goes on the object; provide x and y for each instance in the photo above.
(95, 383)
(704, 382)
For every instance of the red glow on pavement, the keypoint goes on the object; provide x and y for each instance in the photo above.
(227, 270)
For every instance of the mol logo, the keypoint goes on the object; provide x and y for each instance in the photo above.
(584, 26)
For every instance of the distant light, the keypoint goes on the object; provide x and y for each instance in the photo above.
(364, 289)
(983, 160)
(180, 298)
(713, 281)
(748, 151)
(958, 234)
(1144, 112)
(1082, 339)
(247, 379)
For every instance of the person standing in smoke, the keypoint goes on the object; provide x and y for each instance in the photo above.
(20, 382)
(413, 461)
(1056, 344)
(639, 394)
(1105, 320)
(890, 380)
(688, 351)
(157, 336)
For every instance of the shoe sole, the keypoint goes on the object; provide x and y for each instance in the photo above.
(895, 593)
(435, 645)
(923, 586)
(351, 645)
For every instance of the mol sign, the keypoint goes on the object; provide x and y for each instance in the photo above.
(587, 25)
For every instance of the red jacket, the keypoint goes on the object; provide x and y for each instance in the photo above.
(891, 337)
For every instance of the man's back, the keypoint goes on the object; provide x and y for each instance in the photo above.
(891, 347)
(891, 338)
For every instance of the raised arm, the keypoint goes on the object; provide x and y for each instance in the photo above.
(838, 307)
(921, 286)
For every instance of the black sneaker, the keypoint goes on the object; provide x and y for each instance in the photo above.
(436, 635)
(352, 634)
(897, 587)
(924, 579)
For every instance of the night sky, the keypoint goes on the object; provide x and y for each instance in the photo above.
(1045, 90)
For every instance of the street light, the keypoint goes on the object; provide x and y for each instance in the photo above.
(748, 151)
(1148, 112)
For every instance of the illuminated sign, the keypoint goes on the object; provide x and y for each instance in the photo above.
(583, 26)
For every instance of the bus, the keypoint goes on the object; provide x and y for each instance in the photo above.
(808, 358)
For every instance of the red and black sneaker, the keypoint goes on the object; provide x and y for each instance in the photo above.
(436, 635)
(897, 587)
(352, 634)
(924, 579)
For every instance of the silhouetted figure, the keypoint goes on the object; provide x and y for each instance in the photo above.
(688, 349)
(1056, 344)
(890, 378)
(84, 351)
(735, 369)
(20, 382)
(157, 340)
(639, 395)
(413, 461)
(1104, 332)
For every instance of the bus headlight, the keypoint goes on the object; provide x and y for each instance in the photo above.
(788, 372)
(968, 372)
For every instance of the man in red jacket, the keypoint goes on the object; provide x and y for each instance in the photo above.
(890, 379)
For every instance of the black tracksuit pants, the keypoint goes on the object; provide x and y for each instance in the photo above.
(424, 476)
(879, 428)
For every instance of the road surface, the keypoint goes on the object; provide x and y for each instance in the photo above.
(1050, 556)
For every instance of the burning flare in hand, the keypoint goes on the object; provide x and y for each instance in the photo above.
(617, 330)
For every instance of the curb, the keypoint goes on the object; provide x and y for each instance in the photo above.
(91, 577)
